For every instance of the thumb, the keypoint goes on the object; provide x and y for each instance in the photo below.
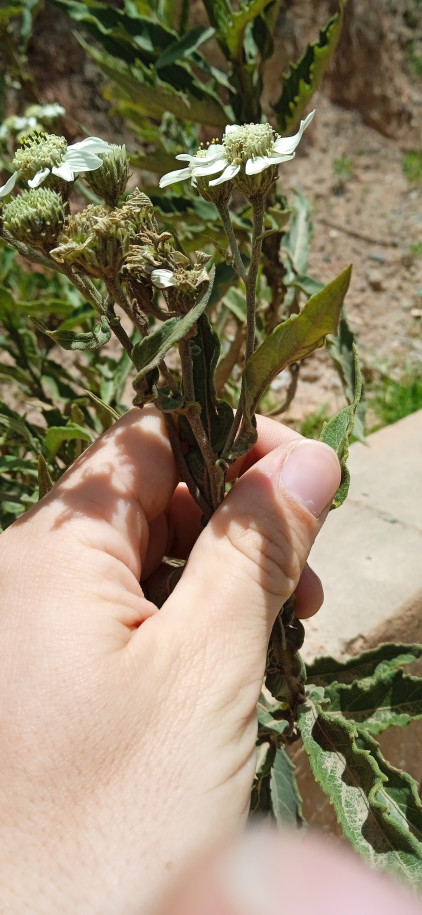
(248, 560)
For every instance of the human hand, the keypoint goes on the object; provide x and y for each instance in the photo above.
(127, 734)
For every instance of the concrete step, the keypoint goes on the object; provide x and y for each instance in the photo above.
(369, 553)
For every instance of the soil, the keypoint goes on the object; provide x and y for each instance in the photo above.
(350, 165)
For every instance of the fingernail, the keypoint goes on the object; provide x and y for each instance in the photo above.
(311, 474)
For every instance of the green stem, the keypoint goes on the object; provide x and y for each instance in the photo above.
(228, 228)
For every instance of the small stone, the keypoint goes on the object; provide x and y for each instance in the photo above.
(375, 280)
(378, 257)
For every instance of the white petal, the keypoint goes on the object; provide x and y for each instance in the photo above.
(230, 128)
(162, 278)
(91, 144)
(65, 171)
(209, 169)
(185, 157)
(180, 174)
(228, 173)
(286, 145)
(5, 190)
(257, 164)
(81, 161)
(39, 177)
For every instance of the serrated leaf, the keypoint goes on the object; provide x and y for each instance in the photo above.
(378, 702)
(290, 341)
(377, 806)
(285, 795)
(385, 657)
(337, 432)
(234, 29)
(148, 353)
(304, 77)
(71, 340)
(56, 435)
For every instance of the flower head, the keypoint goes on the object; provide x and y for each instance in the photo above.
(245, 150)
(43, 154)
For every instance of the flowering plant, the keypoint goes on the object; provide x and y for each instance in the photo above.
(206, 322)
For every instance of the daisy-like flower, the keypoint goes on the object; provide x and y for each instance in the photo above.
(45, 154)
(247, 149)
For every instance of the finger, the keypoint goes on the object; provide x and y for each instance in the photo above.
(107, 499)
(248, 560)
(309, 594)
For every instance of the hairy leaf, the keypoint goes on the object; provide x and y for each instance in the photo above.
(68, 339)
(377, 806)
(148, 353)
(379, 660)
(290, 341)
(378, 702)
(56, 435)
(285, 795)
(297, 241)
(342, 349)
(304, 77)
(44, 480)
(337, 431)
(234, 30)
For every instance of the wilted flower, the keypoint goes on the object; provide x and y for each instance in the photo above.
(245, 150)
(44, 154)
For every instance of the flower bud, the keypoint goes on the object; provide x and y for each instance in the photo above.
(110, 179)
(35, 216)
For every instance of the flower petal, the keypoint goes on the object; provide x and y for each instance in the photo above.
(287, 145)
(91, 144)
(257, 164)
(180, 174)
(39, 177)
(10, 183)
(228, 173)
(162, 278)
(209, 169)
(81, 161)
(65, 171)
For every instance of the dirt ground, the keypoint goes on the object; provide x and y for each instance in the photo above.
(350, 165)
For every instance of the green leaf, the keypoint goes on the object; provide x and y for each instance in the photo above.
(56, 435)
(290, 341)
(148, 353)
(185, 45)
(342, 350)
(93, 339)
(285, 796)
(234, 29)
(337, 431)
(297, 241)
(377, 806)
(45, 482)
(379, 702)
(304, 77)
(385, 657)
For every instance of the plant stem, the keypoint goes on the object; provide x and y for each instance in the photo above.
(258, 224)
(195, 422)
(182, 466)
(228, 228)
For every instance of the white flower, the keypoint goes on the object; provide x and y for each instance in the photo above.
(251, 148)
(79, 157)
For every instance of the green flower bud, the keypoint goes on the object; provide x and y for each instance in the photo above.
(35, 216)
(110, 179)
